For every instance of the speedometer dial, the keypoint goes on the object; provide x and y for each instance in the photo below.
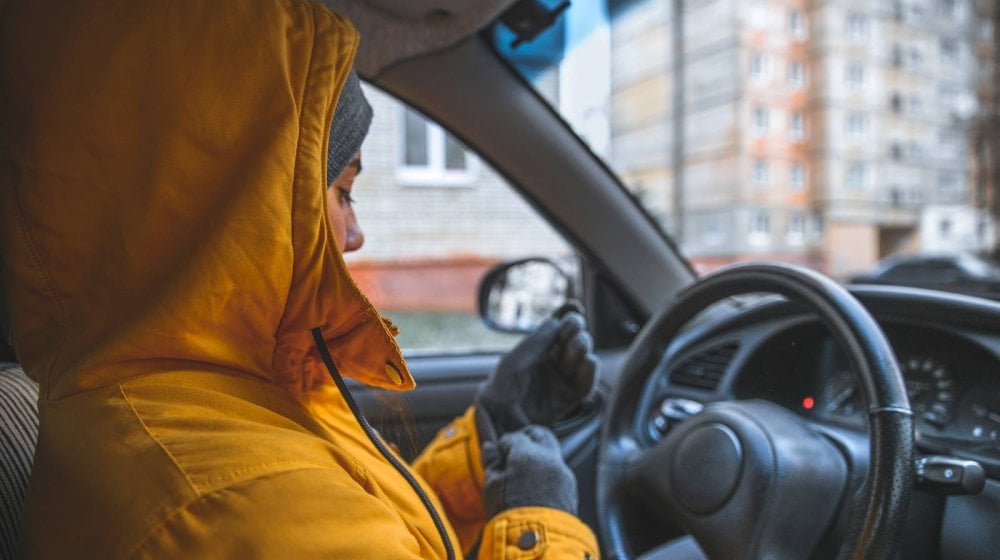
(931, 388)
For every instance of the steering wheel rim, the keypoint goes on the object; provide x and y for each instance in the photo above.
(875, 530)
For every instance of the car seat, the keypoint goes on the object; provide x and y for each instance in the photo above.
(18, 433)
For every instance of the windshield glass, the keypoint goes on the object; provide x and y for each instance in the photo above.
(827, 134)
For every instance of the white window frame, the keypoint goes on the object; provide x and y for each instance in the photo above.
(760, 67)
(797, 227)
(761, 121)
(949, 9)
(797, 27)
(914, 58)
(856, 74)
(711, 229)
(759, 228)
(946, 227)
(949, 137)
(856, 176)
(797, 125)
(797, 79)
(435, 173)
(858, 26)
(949, 185)
(950, 52)
(760, 173)
(858, 124)
(797, 177)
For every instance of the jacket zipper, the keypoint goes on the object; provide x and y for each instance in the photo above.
(379, 444)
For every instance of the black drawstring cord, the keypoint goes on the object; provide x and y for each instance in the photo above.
(377, 441)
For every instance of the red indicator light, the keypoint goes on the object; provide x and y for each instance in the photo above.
(808, 403)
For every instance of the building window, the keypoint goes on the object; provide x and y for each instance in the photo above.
(857, 124)
(948, 97)
(760, 121)
(984, 29)
(948, 186)
(759, 67)
(796, 228)
(915, 105)
(857, 26)
(895, 196)
(896, 150)
(945, 228)
(432, 157)
(760, 173)
(797, 127)
(797, 177)
(711, 230)
(796, 75)
(896, 55)
(948, 137)
(915, 59)
(797, 24)
(949, 52)
(949, 9)
(760, 227)
(896, 102)
(857, 176)
(856, 74)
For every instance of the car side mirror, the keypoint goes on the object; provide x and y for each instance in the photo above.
(517, 296)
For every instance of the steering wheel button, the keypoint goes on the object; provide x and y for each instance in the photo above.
(707, 467)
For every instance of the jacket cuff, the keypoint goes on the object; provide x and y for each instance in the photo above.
(537, 532)
(452, 465)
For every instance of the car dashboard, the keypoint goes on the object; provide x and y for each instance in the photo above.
(948, 350)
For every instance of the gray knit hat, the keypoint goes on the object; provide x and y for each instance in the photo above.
(350, 125)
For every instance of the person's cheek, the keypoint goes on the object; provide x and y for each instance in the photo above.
(336, 219)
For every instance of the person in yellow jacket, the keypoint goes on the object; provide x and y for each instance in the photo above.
(177, 290)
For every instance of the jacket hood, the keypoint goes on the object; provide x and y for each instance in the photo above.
(162, 169)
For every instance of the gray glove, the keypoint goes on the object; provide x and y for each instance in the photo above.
(540, 380)
(526, 468)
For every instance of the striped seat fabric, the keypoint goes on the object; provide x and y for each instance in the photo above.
(18, 432)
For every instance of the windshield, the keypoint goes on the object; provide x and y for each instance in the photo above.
(824, 134)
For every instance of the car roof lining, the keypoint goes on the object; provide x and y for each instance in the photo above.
(412, 28)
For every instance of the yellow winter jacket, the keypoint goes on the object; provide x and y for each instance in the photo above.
(167, 255)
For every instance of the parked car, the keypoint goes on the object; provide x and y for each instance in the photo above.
(863, 419)
(962, 273)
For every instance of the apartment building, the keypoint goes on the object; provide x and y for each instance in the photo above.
(828, 133)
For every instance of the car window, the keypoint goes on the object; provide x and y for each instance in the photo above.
(827, 134)
(436, 218)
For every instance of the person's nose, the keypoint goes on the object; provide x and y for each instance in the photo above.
(355, 236)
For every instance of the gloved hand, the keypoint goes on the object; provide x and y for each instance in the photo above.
(540, 380)
(526, 468)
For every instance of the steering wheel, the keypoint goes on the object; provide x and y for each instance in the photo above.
(750, 479)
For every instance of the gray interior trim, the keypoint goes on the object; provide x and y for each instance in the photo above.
(412, 27)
